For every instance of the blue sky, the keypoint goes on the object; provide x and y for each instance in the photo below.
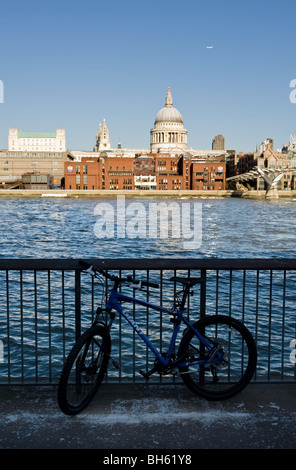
(69, 64)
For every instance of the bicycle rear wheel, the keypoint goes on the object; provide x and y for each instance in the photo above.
(237, 349)
(84, 370)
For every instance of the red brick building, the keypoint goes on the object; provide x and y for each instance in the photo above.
(100, 173)
(118, 173)
(208, 175)
(145, 171)
(85, 174)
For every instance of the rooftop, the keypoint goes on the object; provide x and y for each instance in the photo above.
(36, 135)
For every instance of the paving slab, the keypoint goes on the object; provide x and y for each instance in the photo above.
(151, 417)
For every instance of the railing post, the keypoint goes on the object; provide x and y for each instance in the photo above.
(203, 276)
(77, 304)
(77, 319)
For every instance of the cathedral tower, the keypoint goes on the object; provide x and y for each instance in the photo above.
(102, 139)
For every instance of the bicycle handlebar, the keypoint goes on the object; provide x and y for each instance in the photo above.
(92, 270)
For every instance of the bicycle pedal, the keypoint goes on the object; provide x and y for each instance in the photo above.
(147, 374)
(144, 374)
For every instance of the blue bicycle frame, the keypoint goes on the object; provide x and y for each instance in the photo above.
(114, 303)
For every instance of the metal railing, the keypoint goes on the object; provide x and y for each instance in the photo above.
(46, 304)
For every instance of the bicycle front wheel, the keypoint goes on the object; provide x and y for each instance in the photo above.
(84, 370)
(218, 379)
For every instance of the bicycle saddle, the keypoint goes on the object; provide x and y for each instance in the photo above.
(186, 281)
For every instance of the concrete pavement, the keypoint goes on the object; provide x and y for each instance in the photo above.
(141, 416)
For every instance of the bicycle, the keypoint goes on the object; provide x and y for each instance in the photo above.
(216, 357)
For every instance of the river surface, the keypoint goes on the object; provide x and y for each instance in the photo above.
(37, 328)
(70, 228)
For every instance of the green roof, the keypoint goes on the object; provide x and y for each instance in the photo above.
(37, 135)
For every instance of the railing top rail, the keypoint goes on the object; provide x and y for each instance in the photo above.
(28, 264)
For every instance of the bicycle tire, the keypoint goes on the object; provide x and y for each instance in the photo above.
(84, 370)
(222, 380)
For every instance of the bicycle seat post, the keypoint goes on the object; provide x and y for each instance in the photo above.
(185, 295)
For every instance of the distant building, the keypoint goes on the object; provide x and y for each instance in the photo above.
(13, 165)
(279, 160)
(36, 181)
(168, 136)
(218, 143)
(19, 141)
(207, 174)
(100, 173)
(267, 144)
(167, 164)
(102, 139)
(33, 153)
(168, 133)
(292, 143)
(148, 171)
(241, 163)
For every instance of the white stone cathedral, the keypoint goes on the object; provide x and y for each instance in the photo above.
(167, 136)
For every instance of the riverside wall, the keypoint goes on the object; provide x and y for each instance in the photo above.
(141, 193)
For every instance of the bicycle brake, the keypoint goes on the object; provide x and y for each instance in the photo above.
(90, 271)
(139, 287)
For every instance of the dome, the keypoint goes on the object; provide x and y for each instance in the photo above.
(168, 114)
(168, 134)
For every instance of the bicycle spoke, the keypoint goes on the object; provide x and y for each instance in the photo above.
(228, 367)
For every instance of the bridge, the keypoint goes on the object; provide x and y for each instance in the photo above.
(271, 176)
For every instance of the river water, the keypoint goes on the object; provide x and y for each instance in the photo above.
(128, 228)
(225, 227)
